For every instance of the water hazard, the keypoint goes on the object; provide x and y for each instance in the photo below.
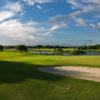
(65, 54)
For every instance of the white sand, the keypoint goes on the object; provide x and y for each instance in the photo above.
(87, 73)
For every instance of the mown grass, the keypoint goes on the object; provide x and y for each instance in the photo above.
(50, 50)
(42, 49)
(21, 80)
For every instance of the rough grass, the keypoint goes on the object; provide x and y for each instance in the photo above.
(20, 79)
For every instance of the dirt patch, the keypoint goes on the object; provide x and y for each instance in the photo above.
(87, 73)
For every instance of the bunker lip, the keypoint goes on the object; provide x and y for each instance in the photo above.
(87, 73)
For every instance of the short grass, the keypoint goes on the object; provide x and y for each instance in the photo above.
(51, 50)
(21, 80)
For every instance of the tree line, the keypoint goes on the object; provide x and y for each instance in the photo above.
(91, 47)
(22, 47)
(18, 47)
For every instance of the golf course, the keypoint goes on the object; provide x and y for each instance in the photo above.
(20, 78)
(49, 49)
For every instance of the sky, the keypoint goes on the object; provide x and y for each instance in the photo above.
(50, 22)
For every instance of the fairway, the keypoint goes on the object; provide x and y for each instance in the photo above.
(20, 78)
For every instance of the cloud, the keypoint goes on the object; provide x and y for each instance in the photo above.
(96, 26)
(63, 20)
(92, 1)
(34, 31)
(84, 6)
(96, 16)
(57, 27)
(75, 3)
(81, 21)
(6, 14)
(16, 7)
(91, 24)
(47, 34)
(59, 19)
(10, 10)
(17, 30)
(32, 2)
(38, 6)
(81, 7)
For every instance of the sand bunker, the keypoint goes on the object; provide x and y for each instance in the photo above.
(87, 73)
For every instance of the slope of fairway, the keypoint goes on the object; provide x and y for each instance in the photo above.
(20, 78)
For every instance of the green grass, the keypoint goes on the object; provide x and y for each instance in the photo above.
(51, 50)
(21, 80)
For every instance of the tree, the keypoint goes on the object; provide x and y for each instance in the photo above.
(58, 49)
(92, 47)
(82, 48)
(98, 46)
(47, 46)
(1, 48)
(21, 48)
(39, 46)
(5, 48)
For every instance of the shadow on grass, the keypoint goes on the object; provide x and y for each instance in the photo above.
(14, 72)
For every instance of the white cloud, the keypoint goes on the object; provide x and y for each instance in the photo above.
(16, 7)
(91, 1)
(57, 27)
(96, 16)
(32, 2)
(45, 11)
(81, 21)
(10, 10)
(84, 6)
(92, 25)
(17, 30)
(29, 2)
(59, 19)
(6, 14)
(47, 34)
(75, 3)
(98, 24)
(32, 23)
(38, 6)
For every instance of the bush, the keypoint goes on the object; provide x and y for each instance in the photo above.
(1, 48)
(58, 50)
(75, 52)
(92, 47)
(82, 48)
(21, 48)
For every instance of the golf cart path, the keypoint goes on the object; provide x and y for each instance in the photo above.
(87, 73)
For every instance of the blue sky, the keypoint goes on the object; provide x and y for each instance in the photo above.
(50, 22)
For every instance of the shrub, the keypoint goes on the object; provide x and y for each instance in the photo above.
(1, 48)
(21, 48)
(75, 52)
